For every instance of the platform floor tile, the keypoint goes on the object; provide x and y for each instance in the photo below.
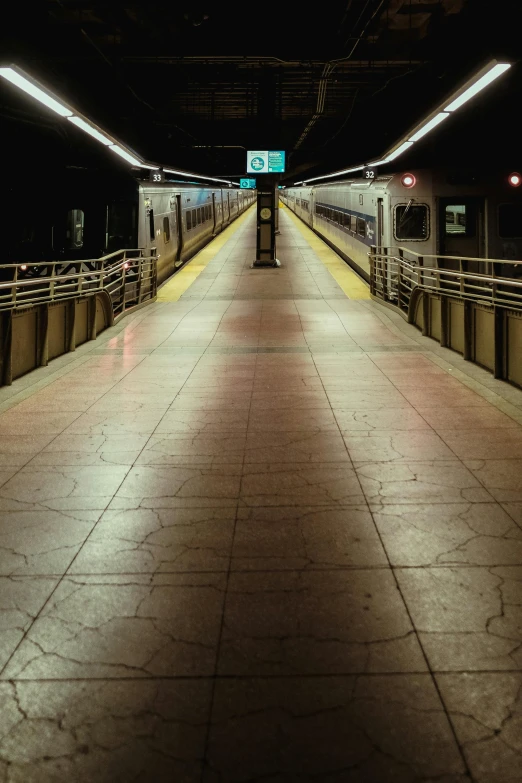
(261, 530)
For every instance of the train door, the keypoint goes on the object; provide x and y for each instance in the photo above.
(214, 232)
(462, 227)
(179, 230)
(379, 238)
(152, 230)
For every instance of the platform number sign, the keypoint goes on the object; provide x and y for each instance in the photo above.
(369, 174)
(157, 175)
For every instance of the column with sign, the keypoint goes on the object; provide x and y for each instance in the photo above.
(266, 164)
(265, 238)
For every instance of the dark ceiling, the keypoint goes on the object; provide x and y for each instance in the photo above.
(195, 84)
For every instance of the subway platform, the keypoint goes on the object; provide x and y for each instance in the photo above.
(261, 530)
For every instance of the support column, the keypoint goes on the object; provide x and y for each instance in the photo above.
(266, 228)
(276, 207)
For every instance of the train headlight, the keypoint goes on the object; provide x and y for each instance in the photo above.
(23, 267)
(408, 180)
(515, 179)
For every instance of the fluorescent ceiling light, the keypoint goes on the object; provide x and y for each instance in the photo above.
(90, 130)
(35, 92)
(429, 126)
(479, 85)
(476, 84)
(124, 154)
(16, 77)
(199, 176)
(395, 154)
(335, 174)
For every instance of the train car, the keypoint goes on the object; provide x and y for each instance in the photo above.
(431, 213)
(87, 215)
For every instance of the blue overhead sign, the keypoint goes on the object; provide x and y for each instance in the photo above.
(265, 161)
(247, 183)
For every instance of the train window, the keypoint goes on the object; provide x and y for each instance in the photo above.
(120, 229)
(361, 227)
(346, 220)
(151, 225)
(455, 220)
(353, 223)
(194, 218)
(199, 215)
(189, 220)
(510, 220)
(74, 231)
(412, 221)
(166, 229)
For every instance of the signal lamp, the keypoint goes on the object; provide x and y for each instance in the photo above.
(408, 180)
(515, 179)
(126, 265)
(23, 267)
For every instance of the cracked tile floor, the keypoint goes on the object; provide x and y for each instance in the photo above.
(262, 533)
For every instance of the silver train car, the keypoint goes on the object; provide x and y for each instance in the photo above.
(88, 215)
(431, 213)
(179, 220)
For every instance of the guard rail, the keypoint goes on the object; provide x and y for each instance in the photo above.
(127, 276)
(49, 308)
(473, 305)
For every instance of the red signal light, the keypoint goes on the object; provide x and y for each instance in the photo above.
(408, 180)
(515, 179)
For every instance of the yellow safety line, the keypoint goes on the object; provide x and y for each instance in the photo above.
(351, 284)
(176, 285)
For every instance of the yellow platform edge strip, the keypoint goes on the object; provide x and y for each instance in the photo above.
(181, 280)
(350, 283)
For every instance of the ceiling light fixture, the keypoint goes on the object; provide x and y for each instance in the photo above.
(92, 131)
(199, 176)
(492, 73)
(484, 77)
(442, 115)
(24, 82)
(17, 78)
(335, 174)
(125, 154)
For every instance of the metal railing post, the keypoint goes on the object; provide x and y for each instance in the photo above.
(123, 292)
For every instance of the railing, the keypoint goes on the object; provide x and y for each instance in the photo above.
(396, 272)
(129, 278)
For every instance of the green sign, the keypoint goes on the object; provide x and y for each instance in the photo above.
(276, 161)
(265, 161)
(247, 183)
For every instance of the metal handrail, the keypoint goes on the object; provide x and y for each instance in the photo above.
(394, 278)
(129, 277)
